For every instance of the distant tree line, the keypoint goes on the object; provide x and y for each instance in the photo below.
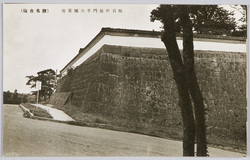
(14, 98)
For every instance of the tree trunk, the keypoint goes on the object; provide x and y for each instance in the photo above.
(169, 39)
(194, 89)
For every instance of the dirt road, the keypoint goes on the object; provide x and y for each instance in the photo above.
(29, 137)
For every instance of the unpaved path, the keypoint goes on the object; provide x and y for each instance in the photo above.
(29, 137)
(55, 113)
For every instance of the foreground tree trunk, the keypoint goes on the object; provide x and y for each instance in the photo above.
(169, 39)
(194, 89)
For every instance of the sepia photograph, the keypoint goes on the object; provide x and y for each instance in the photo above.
(124, 80)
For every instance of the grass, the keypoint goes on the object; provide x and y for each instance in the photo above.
(81, 117)
(90, 120)
(37, 111)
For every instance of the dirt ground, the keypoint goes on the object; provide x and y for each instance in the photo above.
(28, 137)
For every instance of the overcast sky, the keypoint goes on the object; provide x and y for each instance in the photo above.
(39, 41)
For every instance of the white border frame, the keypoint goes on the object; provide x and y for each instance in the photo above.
(245, 2)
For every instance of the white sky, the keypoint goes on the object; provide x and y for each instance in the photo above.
(35, 42)
(39, 41)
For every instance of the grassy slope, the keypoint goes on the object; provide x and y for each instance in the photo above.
(90, 120)
(37, 111)
(85, 119)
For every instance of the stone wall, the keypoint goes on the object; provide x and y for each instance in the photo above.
(135, 87)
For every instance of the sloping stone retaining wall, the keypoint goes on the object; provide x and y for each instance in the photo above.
(135, 86)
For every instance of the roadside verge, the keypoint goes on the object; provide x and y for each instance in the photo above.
(34, 112)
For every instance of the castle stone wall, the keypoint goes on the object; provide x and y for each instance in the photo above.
(135, 86)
